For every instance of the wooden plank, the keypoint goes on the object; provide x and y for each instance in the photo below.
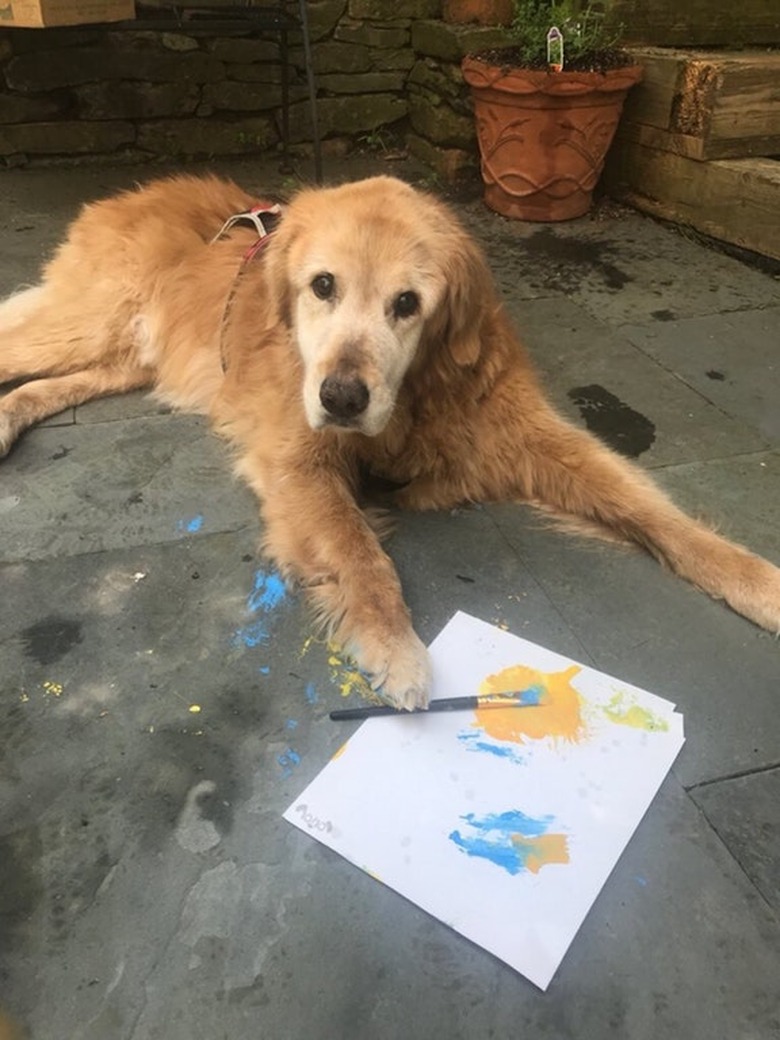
(747, 100)
(728, 102)
(697, 23)
(734, 200)
(651, 101)
(654, 137)
(696, 147)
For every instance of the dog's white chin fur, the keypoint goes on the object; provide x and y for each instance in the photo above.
(369, 426)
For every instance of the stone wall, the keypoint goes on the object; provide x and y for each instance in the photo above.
(387, 71)
(441, 125)
(387, 74)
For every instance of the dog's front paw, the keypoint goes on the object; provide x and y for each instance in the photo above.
(399, 669)
(7, 434)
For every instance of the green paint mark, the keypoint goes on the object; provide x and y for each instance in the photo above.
(623, 713)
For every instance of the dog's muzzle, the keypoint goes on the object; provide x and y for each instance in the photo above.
(344, 399)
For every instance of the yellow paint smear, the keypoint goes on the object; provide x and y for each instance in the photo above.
(342, 674)
(350, 681)
(306, 646)
(557, 716)
(340, 752)
(624, 713)
(346, 676)
(542, 850)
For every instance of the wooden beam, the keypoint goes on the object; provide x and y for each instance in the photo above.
(697, 23)
(709, 105)
(735, 200)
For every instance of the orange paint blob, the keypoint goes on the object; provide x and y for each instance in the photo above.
(557, 714)
(541, 850)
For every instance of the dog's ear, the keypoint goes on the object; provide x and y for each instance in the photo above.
(469, 297)
(275, 263)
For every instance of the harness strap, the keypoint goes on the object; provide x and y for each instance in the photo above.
(254, 217)
(272, 211)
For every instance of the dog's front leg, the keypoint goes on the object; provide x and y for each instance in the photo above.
(317, 534)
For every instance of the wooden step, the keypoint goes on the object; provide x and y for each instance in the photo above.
(696, 23)
(734, 200)
(706, 104)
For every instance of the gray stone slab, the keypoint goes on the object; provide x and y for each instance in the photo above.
(120, 406)
(76, 489)
(64, 418)
(620, 266)
(643, 625)
(574, 350)
(731, 359)
(739, 496)
(36, 208)
(627, 975)
(106, 771)
(463, 561)
(743, 812)
(152, 889)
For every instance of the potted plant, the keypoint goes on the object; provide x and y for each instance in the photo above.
(547, 108)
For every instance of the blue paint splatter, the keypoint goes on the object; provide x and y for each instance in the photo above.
(472, 740)
(291, 724)
(251, 635)
(493, 838)
(288, 760)
(640, 880)
(532, 694)
(264, 669)
(190, 526)
(268, 592)
(311, 693)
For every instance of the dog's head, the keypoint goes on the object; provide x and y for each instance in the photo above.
(370, 276)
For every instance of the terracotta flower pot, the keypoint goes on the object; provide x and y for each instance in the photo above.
(543, 136)
(481, 12)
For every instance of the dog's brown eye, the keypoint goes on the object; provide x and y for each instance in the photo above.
(406, 304)
(323, 286)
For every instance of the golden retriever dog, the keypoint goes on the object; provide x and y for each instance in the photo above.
(365, 336)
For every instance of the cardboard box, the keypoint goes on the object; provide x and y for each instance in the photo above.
(38, 14)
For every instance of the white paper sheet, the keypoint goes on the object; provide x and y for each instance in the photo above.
(503, 823)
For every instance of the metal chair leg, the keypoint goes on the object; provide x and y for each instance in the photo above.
(315, 127)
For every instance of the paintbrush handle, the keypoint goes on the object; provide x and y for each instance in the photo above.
(375, 710)
(440, 704)
(348, 714)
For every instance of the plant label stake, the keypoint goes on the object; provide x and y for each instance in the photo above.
(555, 49)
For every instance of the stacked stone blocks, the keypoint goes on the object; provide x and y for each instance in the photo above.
(387, 70)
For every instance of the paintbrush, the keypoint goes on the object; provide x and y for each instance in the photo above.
(530, 698)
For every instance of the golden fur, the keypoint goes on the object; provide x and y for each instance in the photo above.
(367, 336)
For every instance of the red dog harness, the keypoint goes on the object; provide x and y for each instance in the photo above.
(271, 211)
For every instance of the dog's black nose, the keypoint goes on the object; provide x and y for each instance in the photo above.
(343, 398)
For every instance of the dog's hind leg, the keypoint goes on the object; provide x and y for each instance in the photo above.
(40, 334)
(20, 306)
(40, 398)
(30, 335)
(536, 456)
